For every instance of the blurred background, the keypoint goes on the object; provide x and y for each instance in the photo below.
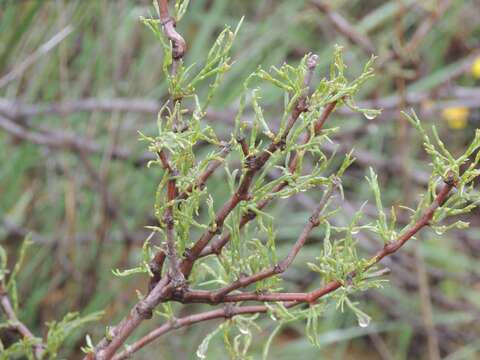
(79, 78)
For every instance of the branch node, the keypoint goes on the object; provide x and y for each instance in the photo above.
(281, 143)
(241, 140)
(251, 162)
(246, 197)
(178, 293)
(175, 323)
(302, 105)
(168, 219)
(154, 267)
(216, 228)
(178, 281)
(167, 20)
(144, 310)
(188, 255)
(279, 268)
(216, 250)
(214, 298)
(314, 220)
(451, 179)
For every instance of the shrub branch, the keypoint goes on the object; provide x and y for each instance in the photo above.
(289, 299)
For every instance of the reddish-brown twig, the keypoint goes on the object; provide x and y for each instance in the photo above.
(143, 309)
(174, 272)
(253, 165)
(217, 245)
(186, 321)
(169, 24)
(292, 299)
(279, 268)
(107, 347)
(205, 175)
(158, 260)
(20, 327)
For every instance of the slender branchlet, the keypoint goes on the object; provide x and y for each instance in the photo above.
(289, 299)
(253, 166)
(169, 23)
(217, 245)
(285, 263)
(238, 261)
(21, 328)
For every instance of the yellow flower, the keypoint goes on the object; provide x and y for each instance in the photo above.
(476, 68)
(457, 117)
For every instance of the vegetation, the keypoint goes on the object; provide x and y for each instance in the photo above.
(226, 229)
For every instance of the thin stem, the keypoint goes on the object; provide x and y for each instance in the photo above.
(20, 327)
(397, 244)
(178, 43)
(226, 313)
(143, 310)
(298, 298)
(253, 166)
(283, 265)
(217, 246)
(175, 274)
(158, 260)
(205, 175)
